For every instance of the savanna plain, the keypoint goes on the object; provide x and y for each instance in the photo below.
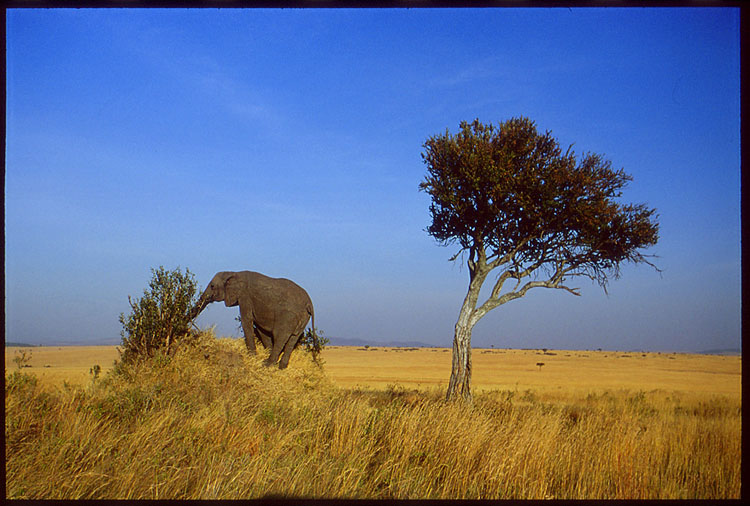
(210, 422)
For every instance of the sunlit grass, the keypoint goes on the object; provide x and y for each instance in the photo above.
(564, 371)
(212, 422)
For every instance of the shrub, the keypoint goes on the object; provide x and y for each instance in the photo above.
(18, 381)
(310, 344)
(161, 317)
(21, 359)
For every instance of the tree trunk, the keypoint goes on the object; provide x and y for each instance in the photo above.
(460, 382)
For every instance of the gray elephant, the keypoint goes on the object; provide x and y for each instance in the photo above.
(276, 310)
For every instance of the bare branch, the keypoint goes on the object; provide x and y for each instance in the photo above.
(508, 256)
(540, 261)
(501, 281)
(454, 257)
(574, 291)
(495, 299)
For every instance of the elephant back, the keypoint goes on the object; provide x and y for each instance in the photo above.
(295, 292)
(285, 291)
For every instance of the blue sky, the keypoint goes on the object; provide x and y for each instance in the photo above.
(288, 142)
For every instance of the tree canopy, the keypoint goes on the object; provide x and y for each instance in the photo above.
(509, 195)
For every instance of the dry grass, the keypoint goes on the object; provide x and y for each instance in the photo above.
(211, 422)
(55, 364)
(564, 371)
(582, 372)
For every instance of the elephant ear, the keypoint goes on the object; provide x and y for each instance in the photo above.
(232, 291)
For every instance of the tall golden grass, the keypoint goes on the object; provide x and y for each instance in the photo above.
(212, 422)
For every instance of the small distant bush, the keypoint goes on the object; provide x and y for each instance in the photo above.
(306, 340)
(95, 371)
(21, 359)
(161, 317)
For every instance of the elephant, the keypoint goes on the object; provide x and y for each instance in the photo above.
(275, 310)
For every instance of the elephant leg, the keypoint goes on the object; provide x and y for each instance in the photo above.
(276, 349)
(288, 351)
(247, 327)
(282, 332)
(265, 337)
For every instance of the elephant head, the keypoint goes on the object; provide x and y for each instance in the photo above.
(224, 286)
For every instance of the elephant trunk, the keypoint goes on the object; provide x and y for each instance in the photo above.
(199, 306)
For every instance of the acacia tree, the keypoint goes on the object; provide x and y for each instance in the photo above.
(512, 200)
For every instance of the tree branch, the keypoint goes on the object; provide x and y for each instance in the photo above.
(458, 253)
(495, 299)
(500, 260)
(540, 260)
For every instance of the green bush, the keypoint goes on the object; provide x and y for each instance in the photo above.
(161, 317)
(18, 381)
(306, 340)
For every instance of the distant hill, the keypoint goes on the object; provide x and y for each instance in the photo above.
(725, 351)
(343, 341)
(97, 342)
(333, 341)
